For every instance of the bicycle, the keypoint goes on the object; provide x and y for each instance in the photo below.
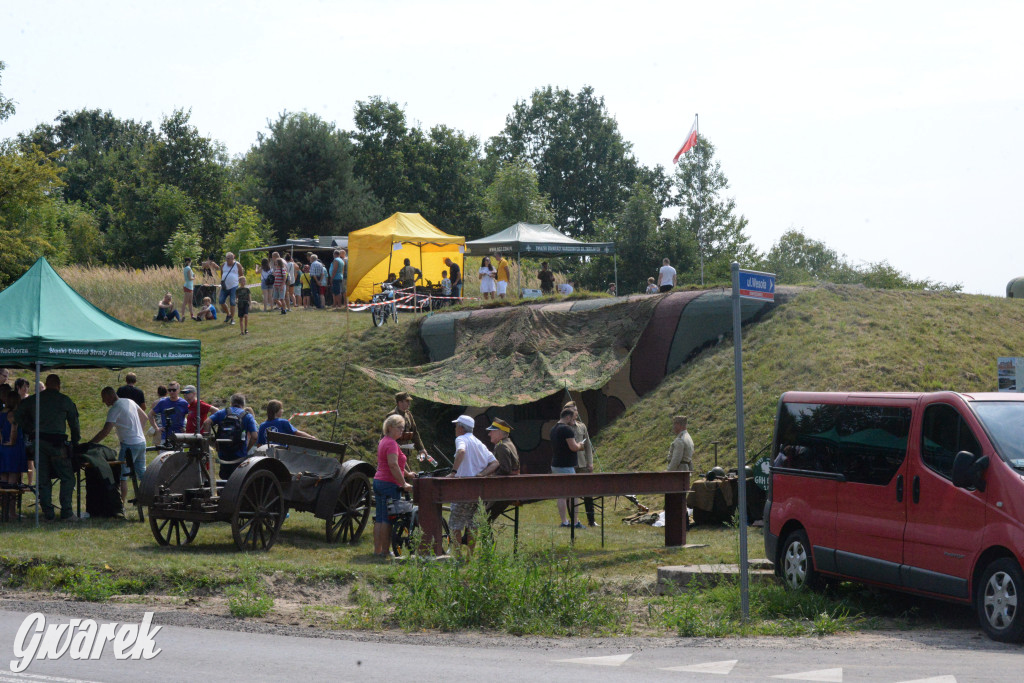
(382, 304)
(403, 515)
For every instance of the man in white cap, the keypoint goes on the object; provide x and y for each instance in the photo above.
(472, 459)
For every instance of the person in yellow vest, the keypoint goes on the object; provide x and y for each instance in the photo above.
(503, 278)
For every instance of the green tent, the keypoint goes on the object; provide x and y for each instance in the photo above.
(45, 324)
(43, 320)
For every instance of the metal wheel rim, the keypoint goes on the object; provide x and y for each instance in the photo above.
(378, 316)
(260, 513)
(351, 511)
(169, 531)
(1000, 600)
(795, 565)
(400, 540)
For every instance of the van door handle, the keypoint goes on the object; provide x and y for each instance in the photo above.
(899, 489)
(917, 488)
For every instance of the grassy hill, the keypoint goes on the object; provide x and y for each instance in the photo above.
(846, 338)
(830, 338)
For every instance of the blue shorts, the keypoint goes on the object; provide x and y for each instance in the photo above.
(336, 287)
(137, 453)
(225, 293)
(563, 470)
(383, 493)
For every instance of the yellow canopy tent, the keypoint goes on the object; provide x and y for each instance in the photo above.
(380, 249)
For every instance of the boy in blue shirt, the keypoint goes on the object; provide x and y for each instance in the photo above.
(229, 456)
(276, 423)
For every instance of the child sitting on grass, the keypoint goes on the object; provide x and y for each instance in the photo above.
(165, 310)
(244, 299)
(207, 311)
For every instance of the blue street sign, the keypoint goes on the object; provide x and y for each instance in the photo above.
(755, 285)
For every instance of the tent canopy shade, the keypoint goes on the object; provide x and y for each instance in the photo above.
(532, 238)
(380, 249)
(45, 321)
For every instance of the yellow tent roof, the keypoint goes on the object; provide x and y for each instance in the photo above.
(370, 250)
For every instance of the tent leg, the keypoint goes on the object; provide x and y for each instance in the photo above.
(615, 262)
(35, 443)
(519, 283)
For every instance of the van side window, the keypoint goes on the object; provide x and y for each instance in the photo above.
(943, 435)
(872, 442)
(807, 438)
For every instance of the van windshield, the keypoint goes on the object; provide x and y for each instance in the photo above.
(1004, 422)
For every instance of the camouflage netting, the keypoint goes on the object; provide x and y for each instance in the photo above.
(516, 355)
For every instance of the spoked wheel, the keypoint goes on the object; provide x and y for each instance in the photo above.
(998, 598)
(797, 564)
(168, 531)
(260, 512)
(351, 510)
(377, 313)
(401, 539)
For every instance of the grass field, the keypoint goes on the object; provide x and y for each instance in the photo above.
(839, 338)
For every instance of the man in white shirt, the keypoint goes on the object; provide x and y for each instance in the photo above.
(229, 274)
(472, 459)
(666, 277)
(126, 415)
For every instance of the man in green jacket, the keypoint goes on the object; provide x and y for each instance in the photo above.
(55, 411)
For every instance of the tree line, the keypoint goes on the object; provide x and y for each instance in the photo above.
(90, 187)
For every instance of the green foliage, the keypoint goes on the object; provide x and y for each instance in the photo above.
(514, 196)
(495, 589)
(582, 161)
(6, 104)
(248, 230)
(184, 243)
(380, 152)
(797, 259)
(708, 217)
(28, 180)
(303, 166)
(249, 598)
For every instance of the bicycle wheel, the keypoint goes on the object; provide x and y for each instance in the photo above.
(401, 539)
(377, 313)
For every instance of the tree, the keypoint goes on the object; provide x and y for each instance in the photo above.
(29, 179)
(708, 216)
(449, 178)
(6, 105)
(380, 152)
(514, 196)
(306, 185)
(184, 243)
(248, 230)
(796, 258)
(583, 164)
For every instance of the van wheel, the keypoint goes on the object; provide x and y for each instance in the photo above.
(797, 566)
(997, 600)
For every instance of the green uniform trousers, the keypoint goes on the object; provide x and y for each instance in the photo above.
(54, 463)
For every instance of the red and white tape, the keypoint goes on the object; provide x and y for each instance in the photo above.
(314, 412)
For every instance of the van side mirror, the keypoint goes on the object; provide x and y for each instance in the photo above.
(967, 470)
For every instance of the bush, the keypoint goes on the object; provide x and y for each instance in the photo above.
(249, 598)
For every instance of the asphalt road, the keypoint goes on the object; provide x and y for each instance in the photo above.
(191, 653)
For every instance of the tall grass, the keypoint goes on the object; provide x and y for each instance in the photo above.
(129, 294)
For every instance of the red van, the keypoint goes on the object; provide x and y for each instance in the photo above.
(921, 493)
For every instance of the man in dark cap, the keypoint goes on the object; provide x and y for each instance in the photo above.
(508, 461)
(411, 436)
(55, 411)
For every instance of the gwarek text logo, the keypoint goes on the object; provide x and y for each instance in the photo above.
(82, 639)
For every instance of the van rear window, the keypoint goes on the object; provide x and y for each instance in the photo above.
(866, 444)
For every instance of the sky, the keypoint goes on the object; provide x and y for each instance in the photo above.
(888, 130)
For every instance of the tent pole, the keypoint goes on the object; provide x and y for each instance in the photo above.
(35, 444)
(615, 262)
(519, 276)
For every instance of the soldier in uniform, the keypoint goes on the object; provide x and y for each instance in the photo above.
(508, 461)
(411, 436)
(55, 411)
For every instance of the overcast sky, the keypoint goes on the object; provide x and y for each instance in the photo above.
(889, 130)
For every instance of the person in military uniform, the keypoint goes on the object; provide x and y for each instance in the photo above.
(410, 439)
(680, 453)
(55, 411)
(508, 461)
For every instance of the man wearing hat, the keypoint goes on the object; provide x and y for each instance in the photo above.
(472, 459)
(508, 461)
(204, 408)
(411, 436)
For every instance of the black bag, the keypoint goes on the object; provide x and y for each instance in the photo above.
(231, 434)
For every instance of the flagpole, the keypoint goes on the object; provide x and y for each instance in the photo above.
(700, 243)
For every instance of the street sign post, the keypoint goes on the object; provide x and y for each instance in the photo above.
(747, 284)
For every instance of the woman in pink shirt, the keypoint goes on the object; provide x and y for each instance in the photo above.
(389, 481)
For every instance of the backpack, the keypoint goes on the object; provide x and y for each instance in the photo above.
(231, 434)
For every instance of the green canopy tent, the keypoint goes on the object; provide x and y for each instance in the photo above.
(44, 323)
(540, 239)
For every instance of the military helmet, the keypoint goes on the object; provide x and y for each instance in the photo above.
(715, 473)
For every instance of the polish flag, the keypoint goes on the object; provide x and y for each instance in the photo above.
(691, 140)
